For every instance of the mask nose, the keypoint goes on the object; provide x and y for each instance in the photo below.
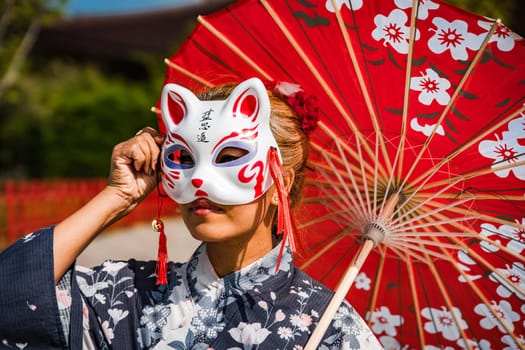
(196, 182)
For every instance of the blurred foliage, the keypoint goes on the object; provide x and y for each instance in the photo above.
(61, 118)
(502, 9)
(65, 120)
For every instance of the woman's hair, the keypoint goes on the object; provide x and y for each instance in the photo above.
(286, 128)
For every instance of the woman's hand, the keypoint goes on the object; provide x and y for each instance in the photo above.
(132, 177)
(133, 166)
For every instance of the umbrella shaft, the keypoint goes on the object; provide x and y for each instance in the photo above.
(340, 294)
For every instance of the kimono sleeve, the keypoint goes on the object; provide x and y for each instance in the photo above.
(29, 313)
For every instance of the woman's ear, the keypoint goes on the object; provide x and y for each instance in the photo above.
(289, 177)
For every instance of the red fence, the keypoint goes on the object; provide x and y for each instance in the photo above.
(29, 205)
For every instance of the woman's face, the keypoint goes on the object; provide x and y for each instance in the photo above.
(211, 222)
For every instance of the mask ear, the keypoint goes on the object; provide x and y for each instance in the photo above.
(249, 100)
(176, 103)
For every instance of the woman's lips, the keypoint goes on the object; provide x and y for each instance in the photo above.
(203, 206)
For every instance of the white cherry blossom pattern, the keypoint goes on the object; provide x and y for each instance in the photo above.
(393, 30)
(350, 4)
(432, 347)
(514, 235)
(391, 343)
(509, 340)
(507, 150)
(511, 280)
(423, 8)
(382, 321)
(63, 298)
(481, 344)
(502, 36)
(432, 87)
(443, 321)
(503, 309)
(465, 260)
(489, 230)
(249, 333)
(426, 129)
(453, 36)
(362, 281)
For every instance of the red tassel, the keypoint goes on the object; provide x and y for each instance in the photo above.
(285, 225)
(162, 255)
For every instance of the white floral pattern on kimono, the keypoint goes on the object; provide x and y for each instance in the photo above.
(118, 305)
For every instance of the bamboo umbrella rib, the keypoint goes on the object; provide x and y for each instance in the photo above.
(438, 209)
(409, 248)
(463, 211)
(455, 94)
(333, 136)
(233, 47)
(352, 179)
(476, 196)
(506, 250)
(326, 217)
(339, 262)
(446, 298)
(424, 201)
(376, 179)
(485, 301)
(349, 199)
(401, 253)
(333, 156)
(324, 167)
(431, 242)
(478, 173)
(372, 300)
(476, 290)
(187, 73)
(467, 232)
(466, 145)
(326, 247)
(481, 260)
(362, 85)
(435, 234)
(338, 199)
(444, 221)
(488, 265)
(328, 90)
(415, 298)
(477, 235)
(406, 95)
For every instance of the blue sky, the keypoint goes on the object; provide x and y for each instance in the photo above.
(99, 7)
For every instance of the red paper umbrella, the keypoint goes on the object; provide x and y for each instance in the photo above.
(418, 161)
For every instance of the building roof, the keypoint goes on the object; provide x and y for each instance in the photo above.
(118, 36)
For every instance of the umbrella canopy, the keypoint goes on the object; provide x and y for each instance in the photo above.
(420, 151)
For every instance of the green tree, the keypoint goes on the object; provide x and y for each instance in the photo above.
(502, 9)
(65, 120)
(20, 23)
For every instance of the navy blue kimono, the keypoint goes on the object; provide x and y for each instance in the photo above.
(118, 305)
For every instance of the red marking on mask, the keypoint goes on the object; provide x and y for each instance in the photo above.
(256, 172)
(201, 193)
(196, 182)
(244, 134)
(176, 107)
(246, 105)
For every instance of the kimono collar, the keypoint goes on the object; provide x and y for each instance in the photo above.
(203, 280)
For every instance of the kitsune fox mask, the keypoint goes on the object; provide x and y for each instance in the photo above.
(216, 150)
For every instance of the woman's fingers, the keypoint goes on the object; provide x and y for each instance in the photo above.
(150, 141)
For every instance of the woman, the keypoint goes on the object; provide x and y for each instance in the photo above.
(220, 160)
